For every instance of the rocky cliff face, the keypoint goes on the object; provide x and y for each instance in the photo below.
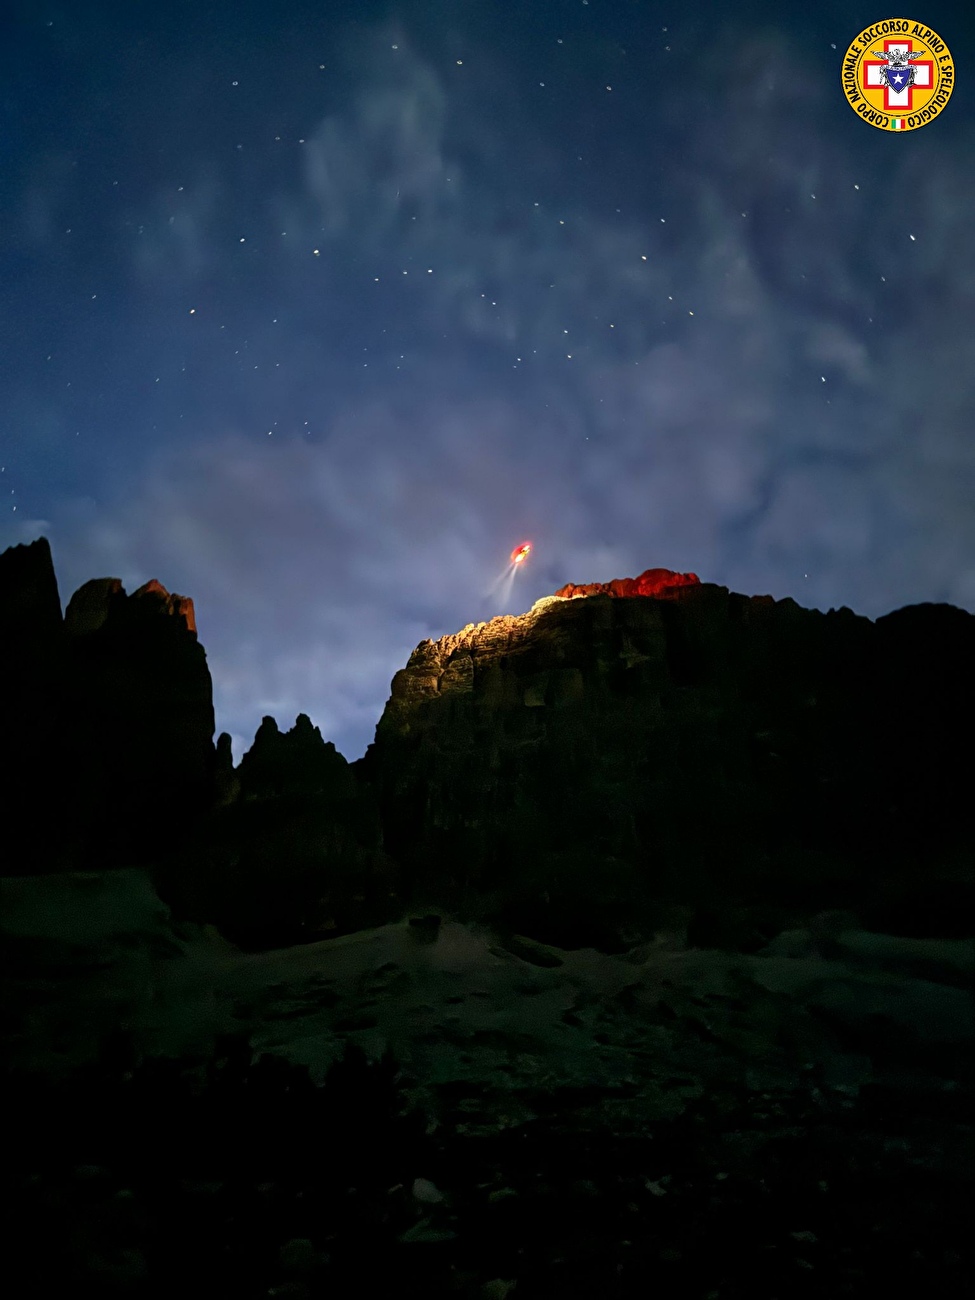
(31, 606)
(31, 680)
(292, 851)
(598, 757)
(659, 766)
(112, 736)
(652, 582)
(625, 758)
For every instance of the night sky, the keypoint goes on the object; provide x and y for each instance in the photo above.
(314, 311)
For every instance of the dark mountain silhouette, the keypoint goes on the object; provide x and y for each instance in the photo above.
(109, 720)
(635, 952)
(574, 773)
(698, 747)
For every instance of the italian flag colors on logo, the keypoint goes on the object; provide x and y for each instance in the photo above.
(897, 124)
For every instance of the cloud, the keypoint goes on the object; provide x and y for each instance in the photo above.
(382, 156)
(173, 242)
(21, 532)
(44, 197)
(767, 384)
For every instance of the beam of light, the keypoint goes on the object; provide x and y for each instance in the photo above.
(504, 577)
(508, 584)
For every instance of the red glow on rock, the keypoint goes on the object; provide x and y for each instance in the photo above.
(652, 582)
(521, 553)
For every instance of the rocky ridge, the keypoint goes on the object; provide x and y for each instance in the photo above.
(110, 711)
(576, 773)
(656, 1055)
(652, 582)
(601, 756)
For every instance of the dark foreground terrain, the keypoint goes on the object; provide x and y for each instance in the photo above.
(634, 958)
(432, 1110)
(260, 1184)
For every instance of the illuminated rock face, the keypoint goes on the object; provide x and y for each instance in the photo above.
(597, 756)
(652, 582)
(94, 602)
(113, 733)
(180, 607)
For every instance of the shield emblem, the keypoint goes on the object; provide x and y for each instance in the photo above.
(899, 78)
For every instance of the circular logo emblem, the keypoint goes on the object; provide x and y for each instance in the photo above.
(898, 75)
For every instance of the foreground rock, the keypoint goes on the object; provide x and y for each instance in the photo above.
(461, 1005)
(789, 1122)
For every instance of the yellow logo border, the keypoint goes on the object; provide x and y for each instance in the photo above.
(863, 99)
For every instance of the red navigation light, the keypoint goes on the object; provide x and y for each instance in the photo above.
(521, 553)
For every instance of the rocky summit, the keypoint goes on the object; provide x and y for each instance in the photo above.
(109, 719)
(636, 952)
(575, 773)
(652, 582)
(608, 754)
